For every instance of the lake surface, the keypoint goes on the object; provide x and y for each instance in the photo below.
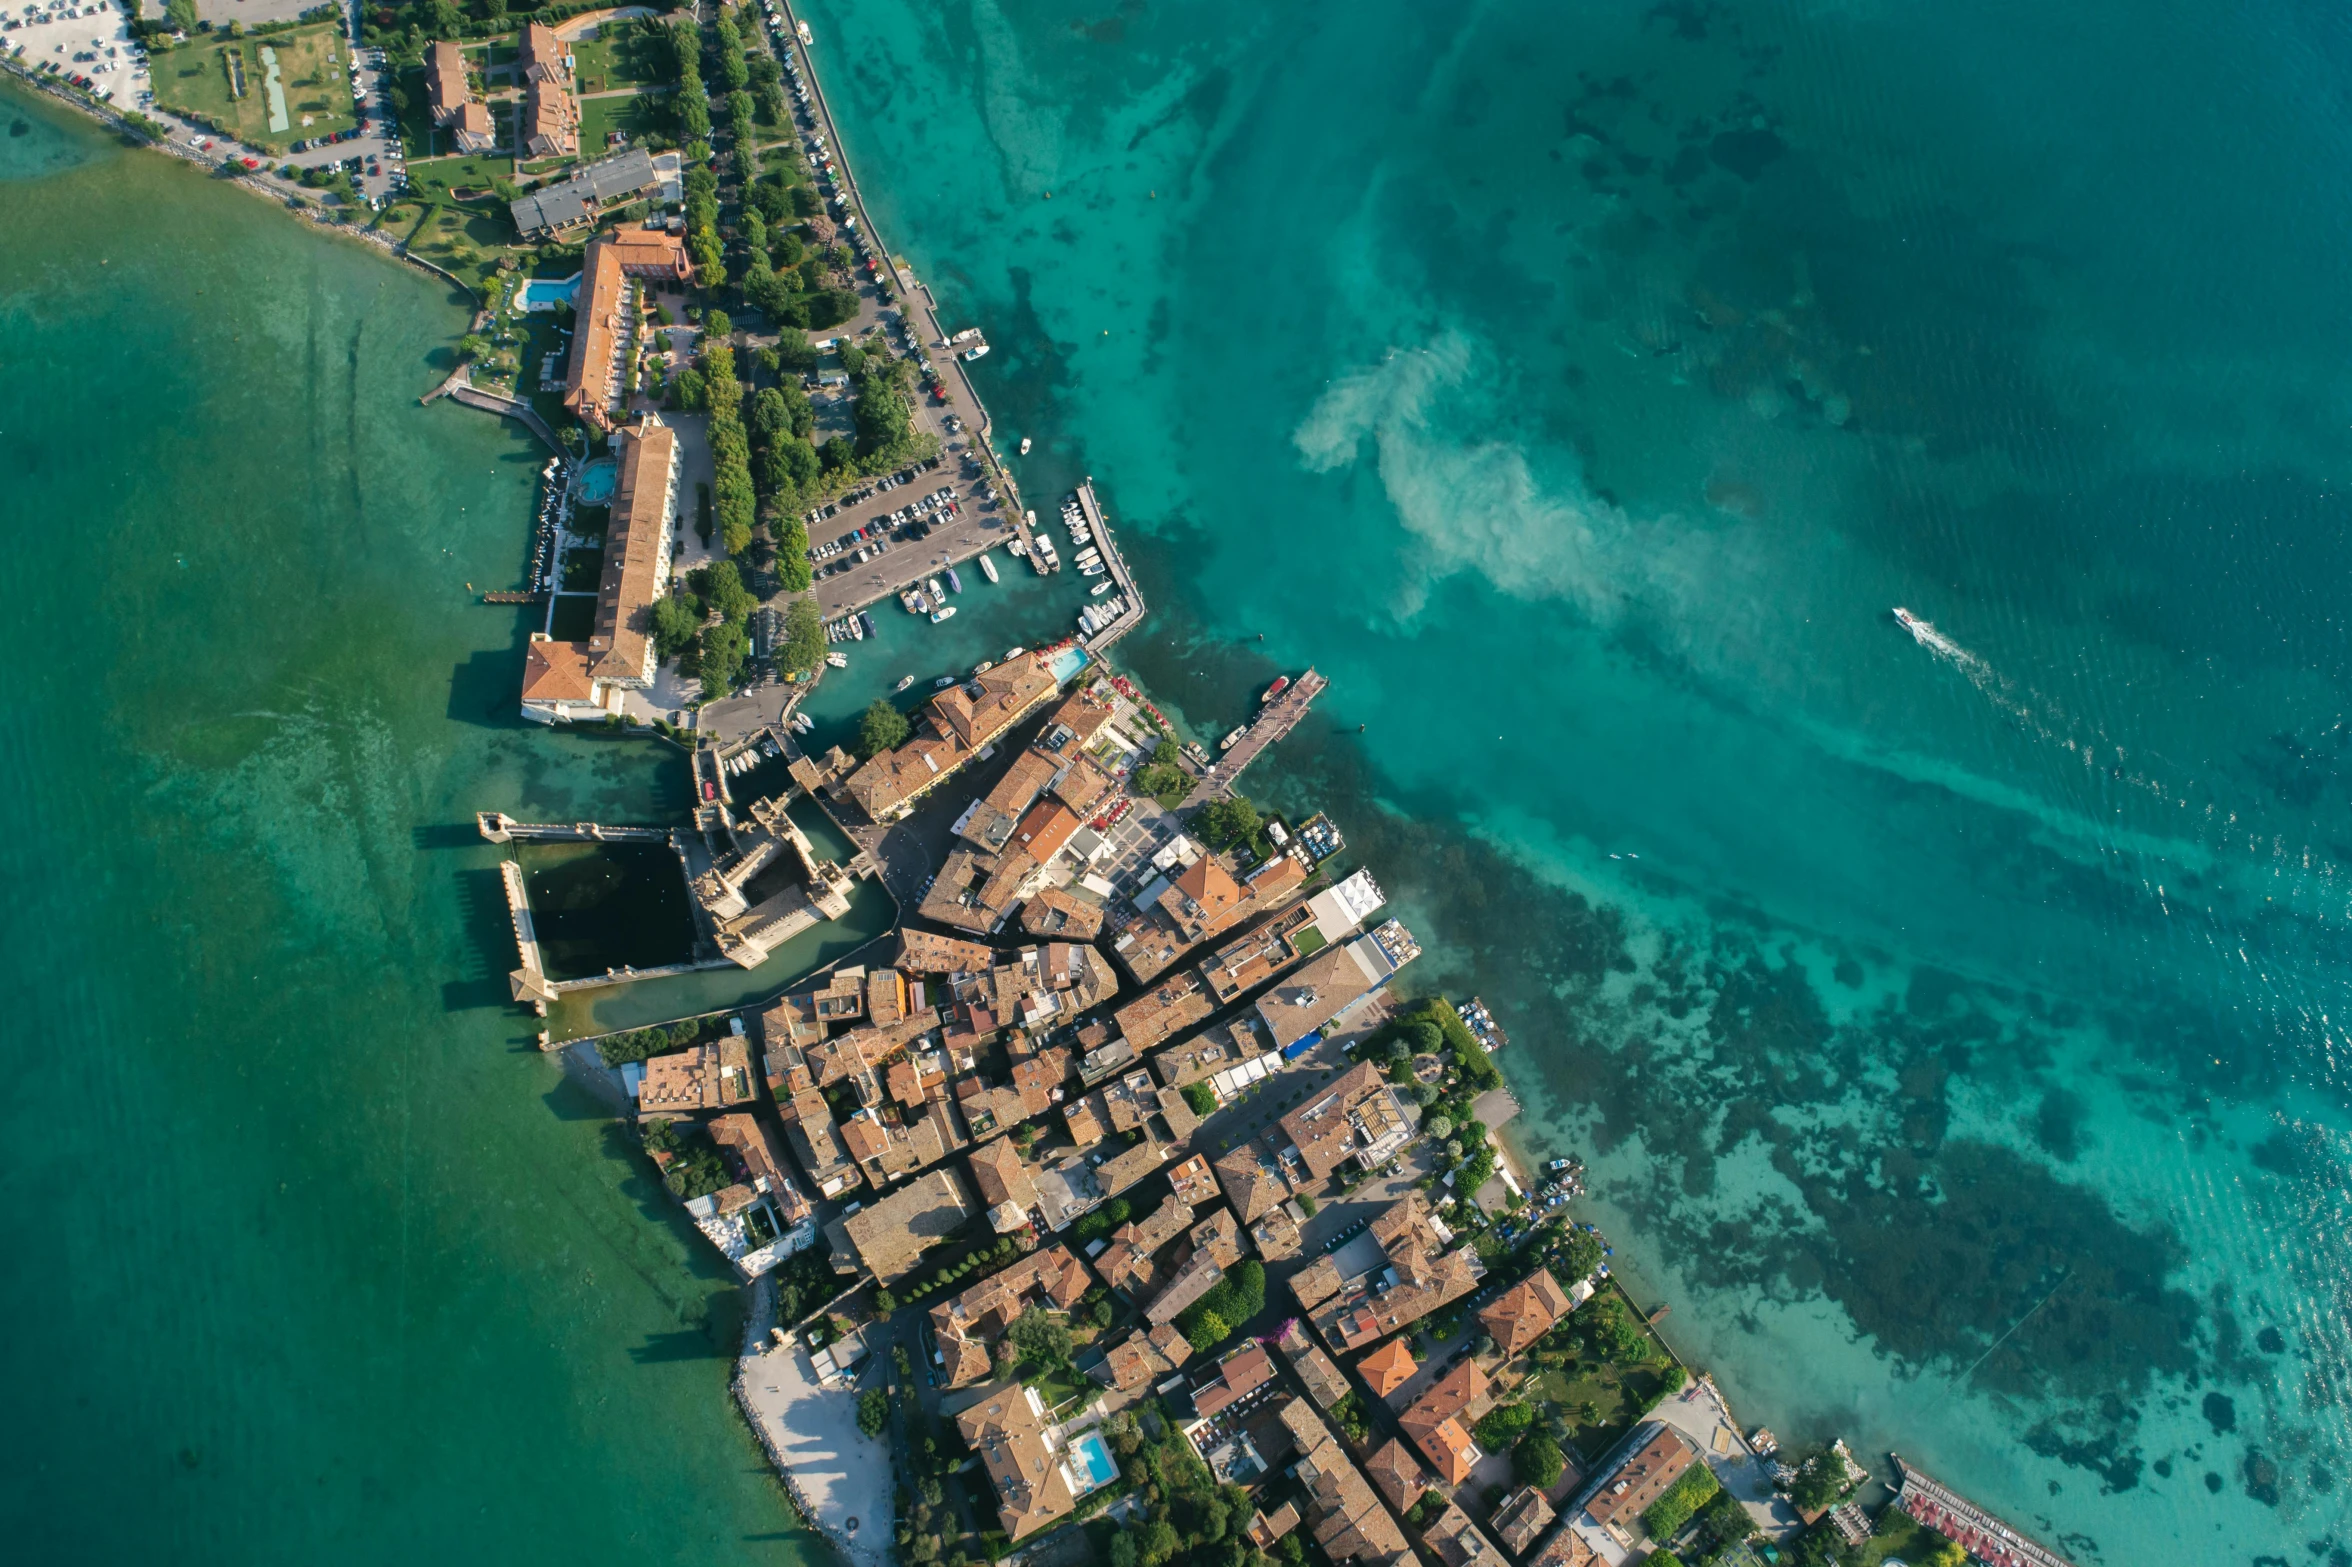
(1949, 1022)
(310, 1255)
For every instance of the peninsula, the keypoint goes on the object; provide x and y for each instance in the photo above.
(1124, 1201)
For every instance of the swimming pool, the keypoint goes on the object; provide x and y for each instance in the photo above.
(545, 293)
(1068, 662)
(1092, 1459)
(598, 480)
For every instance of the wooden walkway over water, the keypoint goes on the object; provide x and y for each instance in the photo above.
(1278, 718)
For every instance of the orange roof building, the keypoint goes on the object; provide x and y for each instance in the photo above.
(1387, 1368)
(1435, 1421)
(575, 680)
(1525, 1312)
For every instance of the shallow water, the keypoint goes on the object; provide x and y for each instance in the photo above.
(1580, 387)
(310, 1255)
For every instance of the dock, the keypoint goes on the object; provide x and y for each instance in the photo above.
(1091, 509)
(1278, 718)
(515, 596)
(499, 827)
(1976, 1531)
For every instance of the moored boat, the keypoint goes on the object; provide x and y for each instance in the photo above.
(943, 614)
(1233, 739)
(988, 567)
(837, 660)
(1100, 588)
(955, 584)
(1280, 685)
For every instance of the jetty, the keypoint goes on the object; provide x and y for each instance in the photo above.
(1091, 509)
(1278, 718)
(1978, 1532)
(490, 402)
(499, 827)
(515, 596)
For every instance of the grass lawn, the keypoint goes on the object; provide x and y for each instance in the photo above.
(627, 58)
(1616, 1392)
(197, 80)
(636, 116)
(439, 179)
(463, 240)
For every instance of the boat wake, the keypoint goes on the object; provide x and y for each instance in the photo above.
(2035, 713)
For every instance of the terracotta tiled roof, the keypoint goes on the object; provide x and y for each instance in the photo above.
(1008, 1432)
(1387, 1368)
(1398, 1474)
(1525, 1312)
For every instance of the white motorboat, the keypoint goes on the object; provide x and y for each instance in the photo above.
(1024, 446)
(942, 614)
(1100, 588)
(988, 567)
(837, 660)
(904, 683)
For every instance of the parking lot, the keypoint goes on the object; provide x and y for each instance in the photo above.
(89, 41)
(904, 547)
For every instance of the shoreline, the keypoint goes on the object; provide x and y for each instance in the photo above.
(592, 1075)
(49, 87)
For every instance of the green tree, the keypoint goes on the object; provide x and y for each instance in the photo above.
(724, 648)
(1208, 1330)
(831, 306)
(1225, 822)
(1160, 1542)
(883, 728)
(676, 623)
(473, 346)
(1043, 1338)
(873, 1411)
(803, 646)
(1503, 1424)
(182, 15)
(1538, 1461)
(716, 324)
(721, 586)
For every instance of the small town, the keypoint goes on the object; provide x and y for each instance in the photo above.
(1126, 1201)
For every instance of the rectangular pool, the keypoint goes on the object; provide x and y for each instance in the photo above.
(1091, 1458)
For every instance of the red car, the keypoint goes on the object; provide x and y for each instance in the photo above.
(251, 163)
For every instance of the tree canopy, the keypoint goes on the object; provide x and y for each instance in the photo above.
(1538, 1461)
(1223, 823)
(883, 728)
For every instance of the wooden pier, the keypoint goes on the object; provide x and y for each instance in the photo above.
(1979, 1533)
(515, 596)
(1091, 509)
(1278, 718)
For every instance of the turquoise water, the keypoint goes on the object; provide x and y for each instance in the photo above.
(310, 1255)
(598, 480)
(1094, 1460)
(545, 293)
(1580, 386)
